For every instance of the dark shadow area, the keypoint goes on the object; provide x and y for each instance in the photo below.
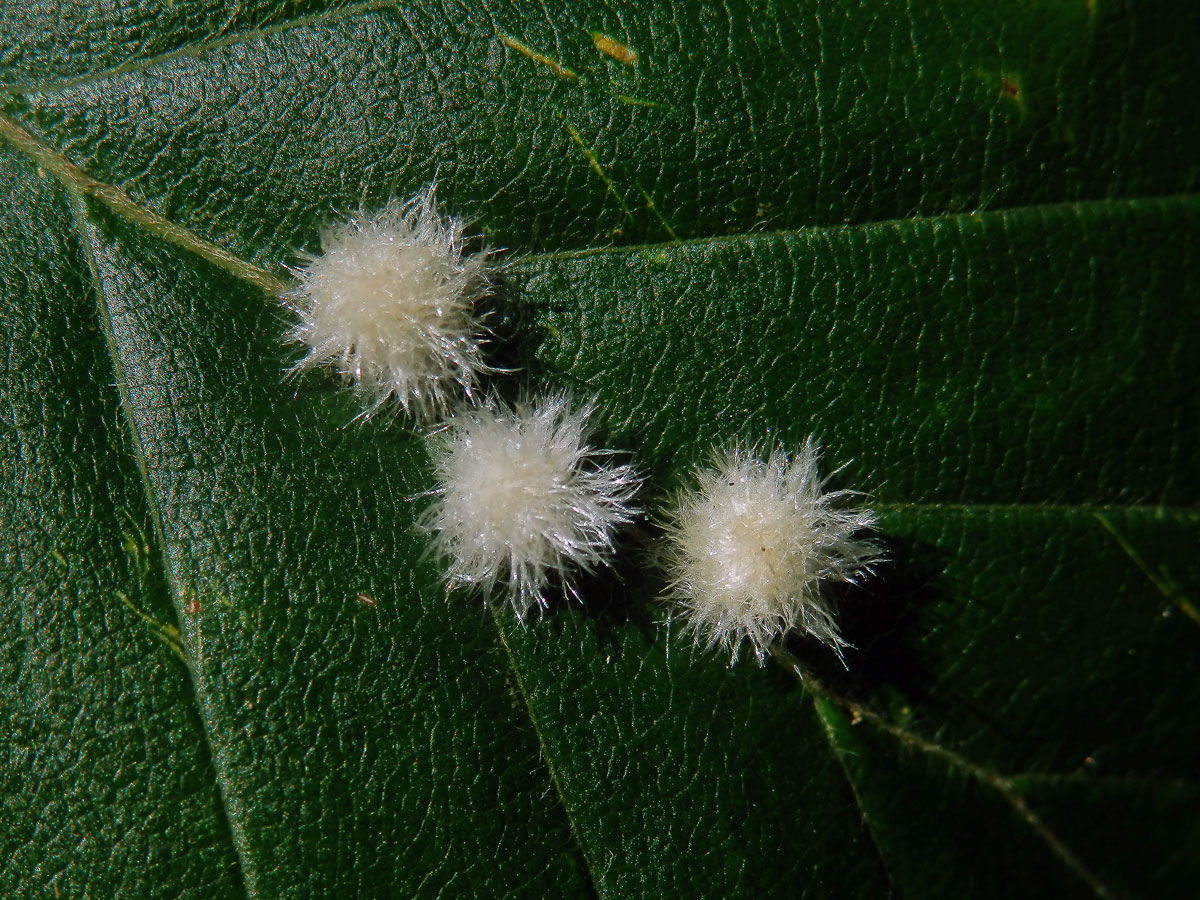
(619, 595)
(879, 618)
(888, 618)
(514, 340)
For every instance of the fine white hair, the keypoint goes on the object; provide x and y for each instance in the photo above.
(750, 545)
(389, 305)
(523, 500)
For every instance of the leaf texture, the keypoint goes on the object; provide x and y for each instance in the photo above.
(956, 242)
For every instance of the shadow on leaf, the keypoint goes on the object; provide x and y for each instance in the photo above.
(880, 618)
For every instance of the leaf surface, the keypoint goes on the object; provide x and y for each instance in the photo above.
(956, 242)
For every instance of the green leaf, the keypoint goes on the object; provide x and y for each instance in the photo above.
(958, 242)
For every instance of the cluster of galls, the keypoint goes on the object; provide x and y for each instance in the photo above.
(524, 501)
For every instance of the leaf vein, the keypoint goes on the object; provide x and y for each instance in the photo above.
(85, 230)
(129, 209)
(197, 48)
(871, 833)
(76, 179)
(1158, 579)
(999, 783)
(545, 750)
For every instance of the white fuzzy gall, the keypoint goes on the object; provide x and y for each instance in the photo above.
(389, 305)
(750, 546)
(523, 500)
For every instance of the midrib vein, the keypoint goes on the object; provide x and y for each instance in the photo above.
(237, 837)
